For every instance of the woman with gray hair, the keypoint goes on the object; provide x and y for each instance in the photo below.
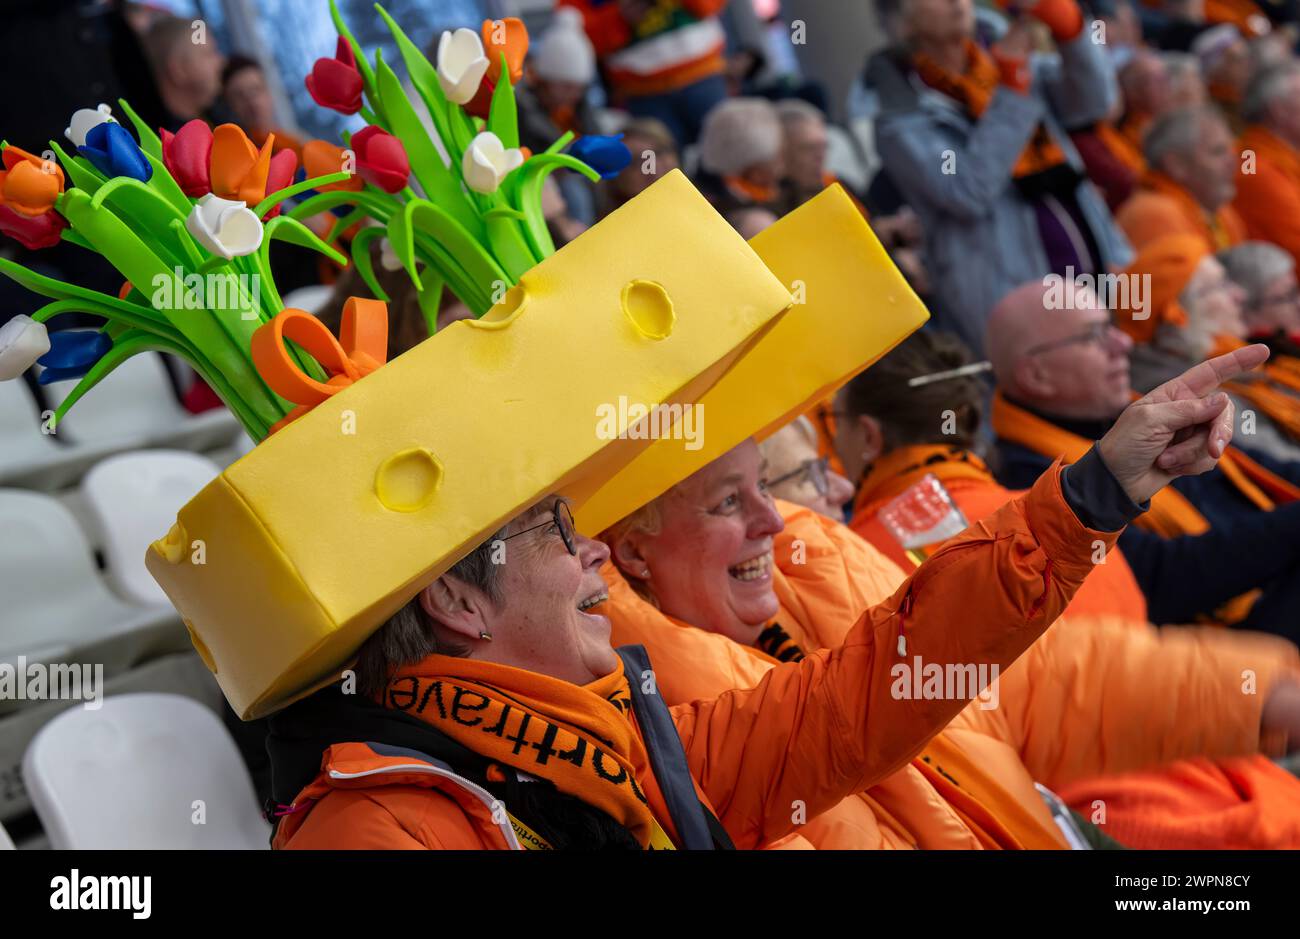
(1266, 274)
(742, 158)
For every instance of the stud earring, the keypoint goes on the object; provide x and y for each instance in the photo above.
(485, 635)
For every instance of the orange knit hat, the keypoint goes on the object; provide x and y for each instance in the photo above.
(1164, 266)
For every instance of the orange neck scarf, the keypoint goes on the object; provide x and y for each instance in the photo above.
(581, 738)
(1171, 513)
(1221, 229)
(1133, 126)
(744, 189)
(1121, 147)
(899, 470)
(974, 89)
(1270, 390)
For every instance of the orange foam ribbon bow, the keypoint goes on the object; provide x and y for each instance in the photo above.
(361, 347)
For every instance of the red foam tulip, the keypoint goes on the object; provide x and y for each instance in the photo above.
(186, 154)
(381, 159)
(33, 233)
(335, 83)
(283, 165)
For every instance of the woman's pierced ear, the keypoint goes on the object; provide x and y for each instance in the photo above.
(485, 635)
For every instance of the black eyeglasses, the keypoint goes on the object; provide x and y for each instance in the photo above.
(562, 519)
(1096, 332)
(815, 470)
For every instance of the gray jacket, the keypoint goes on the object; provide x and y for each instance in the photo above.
(981, 235)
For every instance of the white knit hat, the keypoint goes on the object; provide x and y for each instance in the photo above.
(564, 53)
(739, 133)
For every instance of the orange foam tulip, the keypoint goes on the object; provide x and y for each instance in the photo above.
(361, 347)
(508, 35)
(239, 170)
(28, 184)
(321, 158)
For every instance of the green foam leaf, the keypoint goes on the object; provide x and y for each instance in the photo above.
(502, 117)
(437, 180)
(361, 260)
(150, 142)
(275, 198)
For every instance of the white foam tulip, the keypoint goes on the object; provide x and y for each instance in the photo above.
(225, 227)
(487, 162)
(461, 65)
(84, 120)
(22, 342)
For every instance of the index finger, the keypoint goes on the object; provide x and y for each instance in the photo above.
(1201, 379)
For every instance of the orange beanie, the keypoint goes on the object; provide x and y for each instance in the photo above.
(1164, 266)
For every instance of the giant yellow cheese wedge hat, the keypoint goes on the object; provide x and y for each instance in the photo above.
(851, 306)
(371, 478)
(335, 521)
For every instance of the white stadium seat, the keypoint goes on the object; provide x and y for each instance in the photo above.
(55, 606)
(31, 459)
(312, 299)
(144, 771)
(180, 673)
(136, 406)
(131, 500)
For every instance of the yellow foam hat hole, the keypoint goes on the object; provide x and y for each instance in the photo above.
(407, 480)
(172, 546)
(649, 308)
(504, 312)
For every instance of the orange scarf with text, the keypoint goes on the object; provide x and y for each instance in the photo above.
(974, 90)
(581, 738)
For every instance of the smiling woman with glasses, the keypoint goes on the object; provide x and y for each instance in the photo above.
(797, 474)
(560, 523)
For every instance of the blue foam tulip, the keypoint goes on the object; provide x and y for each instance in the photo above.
(114, 152)
(607, 155)
(72, 353)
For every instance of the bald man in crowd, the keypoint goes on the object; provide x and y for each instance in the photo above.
(1062, 373)
(1192, 164)
(1144, 84)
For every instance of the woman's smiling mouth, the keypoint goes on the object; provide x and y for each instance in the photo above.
(755, 569)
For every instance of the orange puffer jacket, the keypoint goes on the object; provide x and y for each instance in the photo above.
(1183, 676)
(803, 738)
(972, 785)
